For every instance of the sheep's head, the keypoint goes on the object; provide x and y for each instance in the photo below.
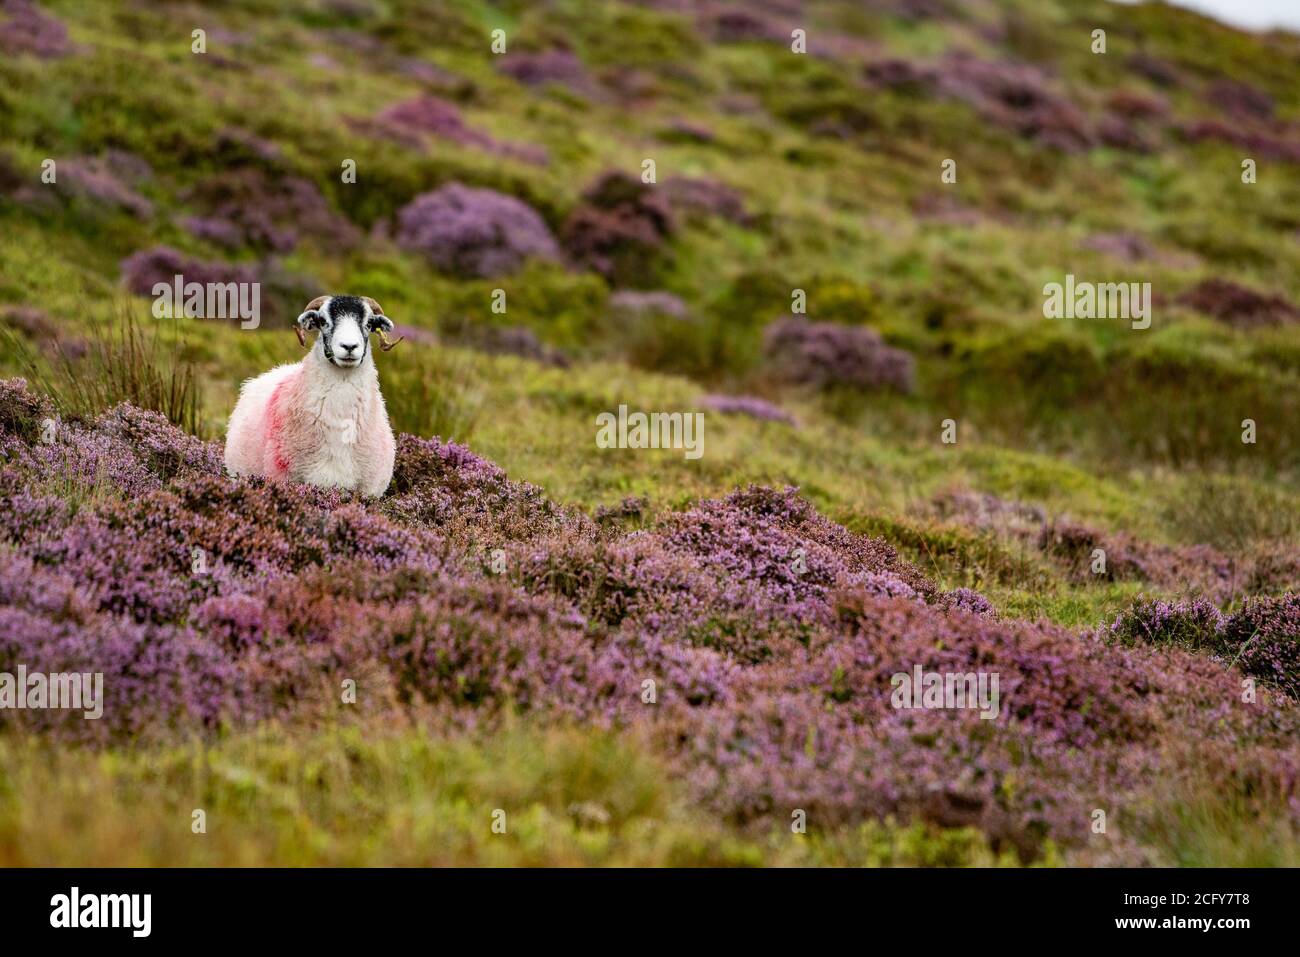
(345, 324)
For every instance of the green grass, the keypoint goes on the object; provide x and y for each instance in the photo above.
(402, 796)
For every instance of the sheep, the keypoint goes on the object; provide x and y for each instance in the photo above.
(320, 421)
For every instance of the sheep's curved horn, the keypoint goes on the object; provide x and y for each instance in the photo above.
(375, 307)
(387, 344)
(302, 337)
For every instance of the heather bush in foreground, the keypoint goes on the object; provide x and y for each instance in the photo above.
(749, 640)
(1262, 639)
(1191, 624)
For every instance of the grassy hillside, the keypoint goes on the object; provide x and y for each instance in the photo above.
(840, 260)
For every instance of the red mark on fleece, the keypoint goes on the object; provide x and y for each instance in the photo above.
(279, 462)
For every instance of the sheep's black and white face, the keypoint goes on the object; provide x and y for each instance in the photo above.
(345, 324)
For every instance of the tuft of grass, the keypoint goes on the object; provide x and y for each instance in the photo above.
(1211, 829)
(1232, 513)
(433, 393)
(122, 362)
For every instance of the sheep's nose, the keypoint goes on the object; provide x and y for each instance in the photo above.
(350, 347)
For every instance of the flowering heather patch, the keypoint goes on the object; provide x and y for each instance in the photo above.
(966, 599)
(947, 210)
(440, 484)
(1274, 569)
(776, 542)
(769, 632)
(1133, 120)
(100, 179)
(638, 302)
(410, 120)
(29, 320)
(619, 229)
(221, 232)
(561, 67)
(249, 207)
(749, 405)
(988, 512)
(895, 73)
(696, 195)
(430, 75)
(474, 232)
(1016, 97)
(1199, 567)
(1124, 133)
(236, 147)
(22, 411)
(1259, 143)
(615, 581)
(1135, 105)
(728, 23)
(513, 341)
(825, 354)
(1239, 305)
(161, 264)
(1262, 639)
(26, 28)
(631, 87)
(921, 10)
(1238, 100)
(1194, 624)
(844, 748)
(632, 507)
(1075, 545)
(1158, 71)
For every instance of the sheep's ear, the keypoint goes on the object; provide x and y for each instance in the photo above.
(310, 319)
(378, 321)
(381, 324)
